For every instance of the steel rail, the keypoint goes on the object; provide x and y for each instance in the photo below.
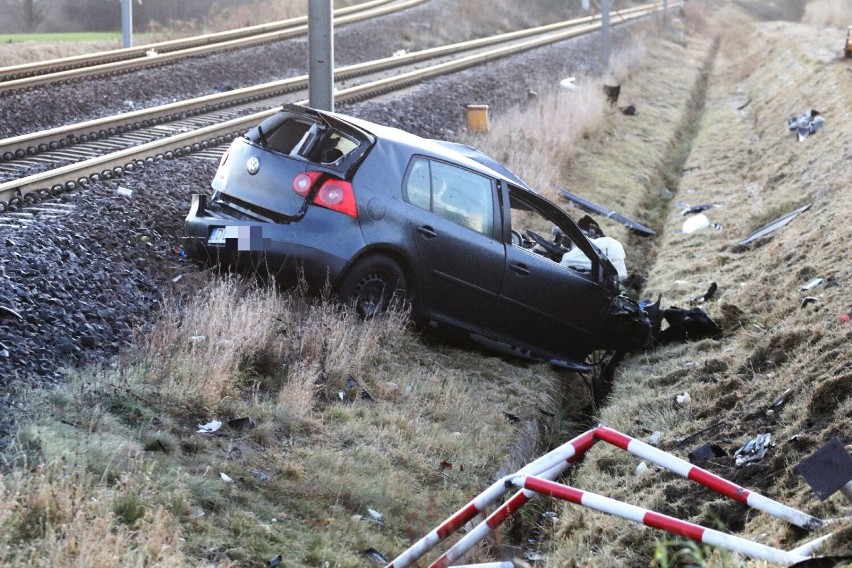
(87, 60)
(33, 187)
(52, 139)
(161, 59)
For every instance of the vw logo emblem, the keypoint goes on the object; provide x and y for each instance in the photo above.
(253, 165)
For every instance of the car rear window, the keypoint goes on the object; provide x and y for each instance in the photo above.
(296, 136)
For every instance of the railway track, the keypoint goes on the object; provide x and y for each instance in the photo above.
(106, 63)
(71, 157)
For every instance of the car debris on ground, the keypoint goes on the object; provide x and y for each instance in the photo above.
(771, 227)
(753, 450)
(591, 207)
(806, 123)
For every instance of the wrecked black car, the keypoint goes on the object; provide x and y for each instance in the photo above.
(376, 213)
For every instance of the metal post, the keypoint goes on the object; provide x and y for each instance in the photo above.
(127, 23)
(665, 16)
(320, 55)
(605, 47)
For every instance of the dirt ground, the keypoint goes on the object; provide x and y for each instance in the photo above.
(782, 365)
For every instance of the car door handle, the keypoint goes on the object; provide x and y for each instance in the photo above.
(427, 231)
(520, 269)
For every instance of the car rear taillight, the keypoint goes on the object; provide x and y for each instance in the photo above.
(303, 182)
(334, 194)
(337, 195)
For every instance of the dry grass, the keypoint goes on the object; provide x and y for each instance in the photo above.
(744, 161)
(834, 13)
(116, 452)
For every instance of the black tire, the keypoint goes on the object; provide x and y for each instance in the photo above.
(373, 284)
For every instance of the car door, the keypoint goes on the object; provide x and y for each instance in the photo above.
(452, 212)
(542, 305)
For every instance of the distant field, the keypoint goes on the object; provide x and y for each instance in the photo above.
(80, 36)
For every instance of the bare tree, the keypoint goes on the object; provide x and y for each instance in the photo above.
(25, 15)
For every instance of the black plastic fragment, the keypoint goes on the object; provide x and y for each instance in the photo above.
(590, 207)
(826, 470)
(703, 453)
(375, 555)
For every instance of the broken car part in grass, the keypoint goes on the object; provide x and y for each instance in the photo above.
(539, 475)
(590, 207)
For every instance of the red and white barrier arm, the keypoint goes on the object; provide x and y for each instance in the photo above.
(550, 466)
(707, 479)
(658, 521)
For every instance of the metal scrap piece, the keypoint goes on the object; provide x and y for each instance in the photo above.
(590, 207)
(773, 226)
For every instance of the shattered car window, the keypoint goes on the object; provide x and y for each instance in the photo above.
(456, 194)
(300, 138)
(532, 230)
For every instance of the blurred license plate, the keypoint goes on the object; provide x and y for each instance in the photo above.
(217, 236)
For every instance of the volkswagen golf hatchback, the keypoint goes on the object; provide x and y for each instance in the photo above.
(376, 213)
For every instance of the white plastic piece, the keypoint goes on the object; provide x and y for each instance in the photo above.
(695, 223)
(611, 248)
(210, 427)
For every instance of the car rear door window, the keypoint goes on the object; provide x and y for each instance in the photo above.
(456, 194)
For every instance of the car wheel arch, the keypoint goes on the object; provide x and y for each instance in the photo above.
(395, 256)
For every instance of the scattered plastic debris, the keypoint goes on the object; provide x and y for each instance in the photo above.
(808, 300)
(754, 450)
(683, 399)
(210, 427)
(705, 452)
(275, 562)
(151, 53)
(697, 209)
(569, 84)
(806, 123)
(375, 556)
(352, 383)
(124, 192)
(374, 516)
(612, 92)
(695, 223)
(641, 468)
(177, 278)
(244, 423)
(711, 291)
(196, 338)
(812, 284)
(260, 476)
(590, 207)
(225, 477)
(654, 439)
(629, 110)
(827, 470)
(770, 228)
(779, 402)
(684, 325)
(846, 318)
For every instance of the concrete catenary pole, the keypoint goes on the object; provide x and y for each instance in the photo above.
(127, 23)
(320, 55)
(605, 47)
(666, 16)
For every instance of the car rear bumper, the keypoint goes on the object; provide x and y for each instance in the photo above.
(276, 250)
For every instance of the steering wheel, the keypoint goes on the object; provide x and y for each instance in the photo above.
(516, 238)
(551, 248)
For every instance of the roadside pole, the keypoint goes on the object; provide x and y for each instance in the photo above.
(605, 48)
(665, 16)
(127, 23)
(320, 55)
